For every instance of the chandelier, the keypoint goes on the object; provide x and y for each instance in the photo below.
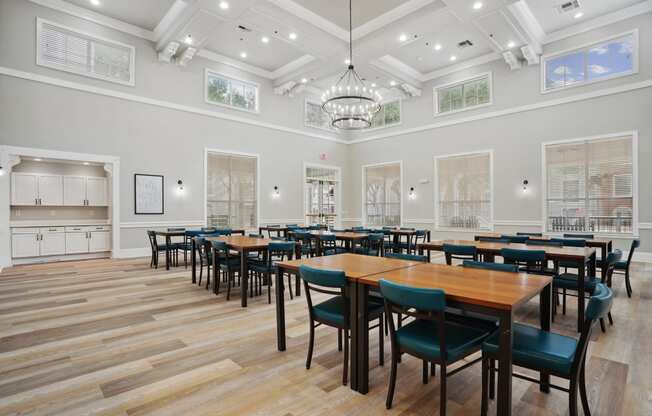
(349, 103)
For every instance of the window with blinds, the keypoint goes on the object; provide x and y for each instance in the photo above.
(463, 94)
(231, 191)
(382, 184)
(463, 194)
(65, 49)
(316, 117)
(590, 186)
(389, 115)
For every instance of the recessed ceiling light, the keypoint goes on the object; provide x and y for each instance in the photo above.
(292, 36)
(86, 163)
(347, 61)
(578, 15)
(188, 39)
(402, 37)
(304, 80)
(264, 39)
(224, 5)
(373, 85)
(37, 159)
(95, 2)
(420, 58)
(243, 55)
(437, 46)
(453, 58)
(511, 44)
(392, 83)
(477, 5)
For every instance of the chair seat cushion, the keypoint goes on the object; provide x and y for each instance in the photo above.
(332, 310)
(334, 250)
(569, 281)
(230, 264)
(537, 349)
(421, 337)
(621, 265)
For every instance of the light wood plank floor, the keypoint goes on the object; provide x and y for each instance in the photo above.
(115, 337)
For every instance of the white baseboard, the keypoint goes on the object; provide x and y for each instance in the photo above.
(67, 257)
(642, 257)
(128, 253)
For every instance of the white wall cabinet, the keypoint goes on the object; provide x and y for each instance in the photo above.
(57, 190)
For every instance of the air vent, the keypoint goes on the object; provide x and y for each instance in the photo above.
(567, 6)
(246, 29)
(464, 44)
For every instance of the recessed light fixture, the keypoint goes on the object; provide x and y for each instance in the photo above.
(392, 83)
(86, 163)
(224, 5)
(453, 58)
(347, 61)
(188, 39)
(37, 159)
(243, 55)
(292, 36)
(373, 85)
(95, 2)
(511, 44)
(578, 15)
(304, 80)
(402, 37)
(437, 46)
(477, 5)
(264, 39)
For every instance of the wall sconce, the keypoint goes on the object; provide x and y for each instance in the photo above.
(276, 193)
(412, 194)
(525, 184)
(2, 171)
(180, 186)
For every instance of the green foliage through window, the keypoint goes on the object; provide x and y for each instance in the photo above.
(389, 114)
(464, 95)
(233, 93)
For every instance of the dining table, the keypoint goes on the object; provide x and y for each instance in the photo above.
(349, 238)
(171, 233)
(582, 256)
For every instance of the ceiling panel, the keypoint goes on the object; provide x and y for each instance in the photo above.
(229, 40)
(551, 20)
(142, 13)
(337, 11)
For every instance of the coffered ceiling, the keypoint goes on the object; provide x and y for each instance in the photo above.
(398, 44)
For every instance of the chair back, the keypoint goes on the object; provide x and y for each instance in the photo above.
(424, 300)
(570, 242)
(279, 251)
(501, 267)
(403, 256)
(254, 235)
(599, 306)
(223, 231)
(516, 239)
(459, 252)
(532, 260)
(220, 247)
(374, 241)
(635, 244)
(330, 282)
(152, 240)
(207, 229)
(358, 228)
(580, 236)
(548, 243)
(531, 234)
(610, 263)
(488, 239)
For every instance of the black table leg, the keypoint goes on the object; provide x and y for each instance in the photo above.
(354, 335)
(545, 303)
(280, 310)
(193, 261)
(603, 262)
(363, 339)
(581, 275)
(505, 364)
(168, 241)
(244, 280)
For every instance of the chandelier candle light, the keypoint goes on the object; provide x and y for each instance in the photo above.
(349, 103)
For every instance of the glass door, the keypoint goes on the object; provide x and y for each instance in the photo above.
(321, 193)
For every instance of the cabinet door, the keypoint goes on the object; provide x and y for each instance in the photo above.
(24, 189)
(76, 242)
(50, 189)
(100, 241)
(53, 243)
(74, 190)
(24, 245)
(96, 191)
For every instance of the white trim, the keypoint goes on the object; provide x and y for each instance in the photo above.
(584, 48)
(469, 63)
(635, 202)
(462, 81)
(89, 37)
(517, 223)
(159, 103)
(491, 188)
(210, 72)
(400, 113)
(216, 57)
(642, 257)
(292, 66)
(62, 257)
(57, 223)
(130, 253)
(100, 19)
(364, 188)
(397, 68)
(280, 221)
(645, 225)
(420, 221)
(208, 150)
(312, 18)
(514, 110)
(598, 22)
(161, 224)
(338, 192)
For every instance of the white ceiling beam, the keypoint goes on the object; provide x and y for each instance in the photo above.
(533, 31)
(399, 69)
(312, 18)
(389, 17)
(170, 18)
(216, 57)
(293, 66)
(480, 60)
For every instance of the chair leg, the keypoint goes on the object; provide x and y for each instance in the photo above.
(392, 378)
(387, 327)
(311, 344)
(602, 326)
(228, 285)
(572, 398)
(424, 372)
(563, 308)
(442, 390)
(433, 370)
(290, 286)
(216, 283)
(485, 387)
(628, 285)
(583, 396)
(339, 339)
(492, 379)
(381, 342)
(345, 370)
(611, 320)
(269, 289)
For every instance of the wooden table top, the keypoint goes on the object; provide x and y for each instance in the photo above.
(167, 233)
(340, 235)
(493, 247)
(547, 238)
(239, 242)
(353, 265)
(493, 289)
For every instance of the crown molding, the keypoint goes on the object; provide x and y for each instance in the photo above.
(159, 103)
(514, 110)
(312, 18)
(100, 19)
(604, 20)
(216, 57)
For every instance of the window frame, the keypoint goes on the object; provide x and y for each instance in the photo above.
(208, 72)
(364, 188)
(492, 222)
(436, 89)
(584, 48)
(305, 118)
(89, 37)
(400, 111)
(635, 192)
(208, 150)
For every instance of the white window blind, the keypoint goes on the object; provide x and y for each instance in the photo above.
(71, 51)
(231, 92)
(464, 191)
(383, 195)
(231, 191)
(316, 117)
(590, 186)
(463, 95)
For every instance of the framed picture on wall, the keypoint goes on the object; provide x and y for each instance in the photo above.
(148, 194)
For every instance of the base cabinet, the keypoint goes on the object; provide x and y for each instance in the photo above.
(76, 242)
(53, 241)
(25, 245)
(99, 241)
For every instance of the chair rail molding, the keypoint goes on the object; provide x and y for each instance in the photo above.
(518, 223)
(160, 224)
(645, 225)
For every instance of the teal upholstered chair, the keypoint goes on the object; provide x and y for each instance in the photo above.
(335, 311)
(579, 236)
(622, 266)
(265, 268)
(547, 243)
(551, 353)
(403, 256)
(372, 245)
(488, 239)
(329, 245)
(531, 261)
(227, 265)
(516, 239)
(500, 267)
(459, 252)
(429, 337)
(531, 234)
(306, 240)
